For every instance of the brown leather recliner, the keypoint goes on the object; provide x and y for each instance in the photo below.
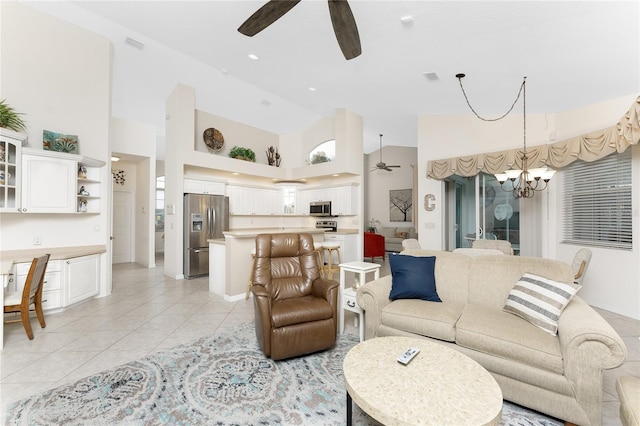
(296, 310)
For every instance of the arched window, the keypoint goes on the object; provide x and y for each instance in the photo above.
(323, 153)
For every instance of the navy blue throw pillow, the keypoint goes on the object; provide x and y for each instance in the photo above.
(412, 277)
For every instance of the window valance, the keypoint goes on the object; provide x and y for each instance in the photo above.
(589, 147)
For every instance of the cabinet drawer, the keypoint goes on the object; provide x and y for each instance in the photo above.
(53, 265)
(51, 281)
(51, 300)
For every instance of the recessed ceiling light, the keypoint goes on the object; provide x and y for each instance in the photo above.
(336, 175)
(407, 20)
(114, 158)
(431, 76)
(254, 57)
(235, 173)
(312, 89)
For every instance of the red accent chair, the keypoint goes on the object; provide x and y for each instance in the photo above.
(373, 245)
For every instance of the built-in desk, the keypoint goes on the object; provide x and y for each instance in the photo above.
(10, 257)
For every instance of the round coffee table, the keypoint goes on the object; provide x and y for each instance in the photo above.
(440, 386)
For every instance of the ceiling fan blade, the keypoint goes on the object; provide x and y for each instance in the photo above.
(393, 166)
(345, 28)
(265, 16)
(387, 169)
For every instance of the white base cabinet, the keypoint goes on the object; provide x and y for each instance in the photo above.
(66, 281)
(82, 276)
(52, 285)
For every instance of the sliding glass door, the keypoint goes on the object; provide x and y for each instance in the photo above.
(477, 208)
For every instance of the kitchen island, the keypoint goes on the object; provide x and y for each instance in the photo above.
(230, 259)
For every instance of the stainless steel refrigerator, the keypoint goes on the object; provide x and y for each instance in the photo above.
(205, 218)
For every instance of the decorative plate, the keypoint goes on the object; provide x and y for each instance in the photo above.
(213, 139)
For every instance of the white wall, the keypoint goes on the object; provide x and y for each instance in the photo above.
(60, 77)
(235, 134)
(137, 142)
(380, 182)
(458, 135)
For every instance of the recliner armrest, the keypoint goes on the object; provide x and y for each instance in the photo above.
(322, 288)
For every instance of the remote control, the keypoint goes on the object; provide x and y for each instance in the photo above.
(406, 357)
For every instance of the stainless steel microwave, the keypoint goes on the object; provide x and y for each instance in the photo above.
(320, 208)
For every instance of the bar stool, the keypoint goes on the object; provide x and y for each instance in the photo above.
(253, 265)
(330, 248)
(317, 247)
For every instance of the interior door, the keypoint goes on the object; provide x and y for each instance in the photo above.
(122, 226)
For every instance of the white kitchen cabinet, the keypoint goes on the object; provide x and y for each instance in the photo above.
(246, 200)
(82, 279)
(237, 204)
(344, 201)
(303, 198)
(10, 178)
(52, 285)
(48, 184)
(198, 186)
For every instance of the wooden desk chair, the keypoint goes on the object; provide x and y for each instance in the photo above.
(16, 301)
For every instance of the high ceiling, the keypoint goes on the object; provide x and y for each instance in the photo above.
(572, 52)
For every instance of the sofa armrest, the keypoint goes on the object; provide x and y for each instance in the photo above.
(580, 329)
(589, 345)
(372, 298)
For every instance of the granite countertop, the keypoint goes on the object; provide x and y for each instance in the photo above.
(253, 232)
(9, 257)
(346, 231)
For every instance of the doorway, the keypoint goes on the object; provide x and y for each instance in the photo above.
(122, 224)
(478, 208)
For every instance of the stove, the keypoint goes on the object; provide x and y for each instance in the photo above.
(329, 225)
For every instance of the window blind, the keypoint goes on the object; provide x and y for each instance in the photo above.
(597, 202)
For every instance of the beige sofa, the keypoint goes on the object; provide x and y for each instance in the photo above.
(557, 375)
(393, 237)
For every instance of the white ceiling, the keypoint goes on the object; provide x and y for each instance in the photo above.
(572, 52)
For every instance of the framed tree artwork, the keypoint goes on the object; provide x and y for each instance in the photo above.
(400, 205)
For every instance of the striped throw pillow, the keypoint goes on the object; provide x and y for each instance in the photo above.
(540, 301)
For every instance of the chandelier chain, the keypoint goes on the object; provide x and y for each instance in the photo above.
(491, 119)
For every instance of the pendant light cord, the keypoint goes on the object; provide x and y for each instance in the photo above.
(460, 76)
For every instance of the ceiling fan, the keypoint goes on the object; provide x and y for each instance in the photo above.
(344, 25)
(381, 165)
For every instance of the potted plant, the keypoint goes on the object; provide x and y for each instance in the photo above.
(373, 225)
(11, 119)
(241, 153)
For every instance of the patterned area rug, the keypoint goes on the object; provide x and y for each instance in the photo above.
(216, 380)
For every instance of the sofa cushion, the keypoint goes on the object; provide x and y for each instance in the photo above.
(432, 319)
(413, 278)
(501, 334)
(540, 301)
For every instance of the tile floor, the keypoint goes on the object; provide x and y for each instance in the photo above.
(147, 312)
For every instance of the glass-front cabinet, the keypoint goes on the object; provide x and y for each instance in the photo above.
(10, 157)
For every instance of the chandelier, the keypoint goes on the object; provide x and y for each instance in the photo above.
(525, 182)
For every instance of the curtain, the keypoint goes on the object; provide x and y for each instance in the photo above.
(589, 147)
